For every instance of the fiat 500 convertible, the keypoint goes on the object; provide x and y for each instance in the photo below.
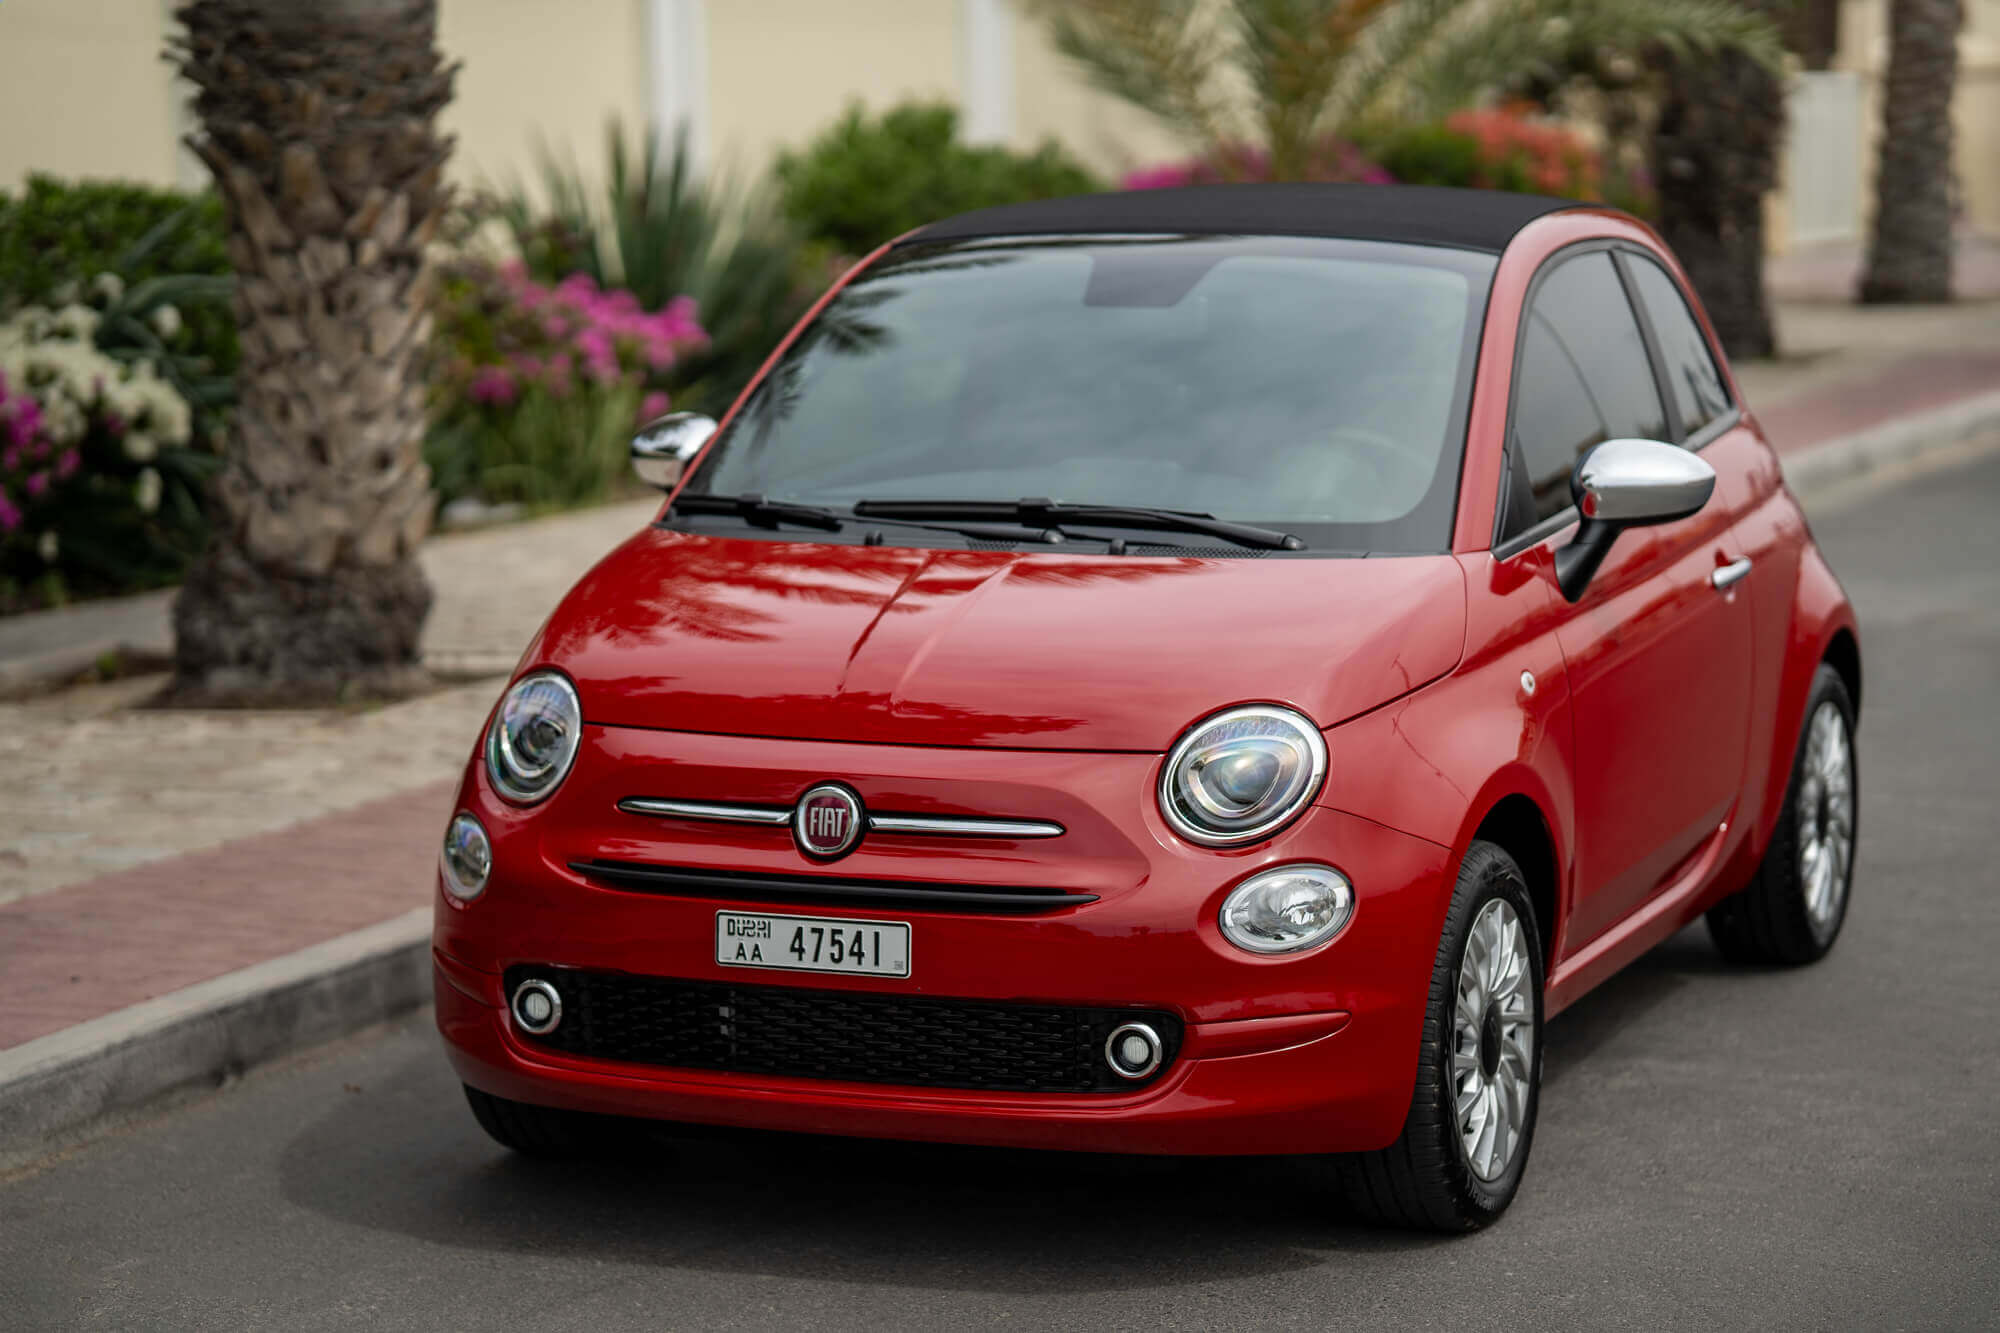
(1201, 672)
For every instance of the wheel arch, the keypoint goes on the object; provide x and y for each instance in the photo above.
(1843, 654)
(1823, 632)
(1517, 825)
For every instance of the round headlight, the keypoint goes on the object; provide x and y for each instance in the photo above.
(534, 737)
(1287, 909)
(1242, 775)
(467, 858)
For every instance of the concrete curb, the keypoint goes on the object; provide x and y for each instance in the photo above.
(56, 1087)
(1896, 441)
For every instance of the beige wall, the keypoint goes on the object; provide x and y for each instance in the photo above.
(1864, 48)
(540, 72)
(534, 73)
(778, 70)
(556, 71)
(83, 91)
(1864, 51)
(1052, 101)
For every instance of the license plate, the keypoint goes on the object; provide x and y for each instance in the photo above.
(812, 944)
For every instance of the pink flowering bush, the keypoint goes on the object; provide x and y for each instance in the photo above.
(1518, 150)
(1500, 148)
(99, 476)
(537, 386)
(1489, 148)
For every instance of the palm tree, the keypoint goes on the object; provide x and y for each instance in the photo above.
(1285, 75)
(1909, 250)
(318, 120)
(1717, 129)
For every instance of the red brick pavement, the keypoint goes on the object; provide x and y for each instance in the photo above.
(1901, 388)
(84, 951)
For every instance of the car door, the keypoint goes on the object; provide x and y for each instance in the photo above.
(1658, 656)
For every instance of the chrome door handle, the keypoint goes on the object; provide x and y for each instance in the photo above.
(1730, 574)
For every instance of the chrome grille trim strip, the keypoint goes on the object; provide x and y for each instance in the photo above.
(964, 826)
(778, 816)
(715, 811)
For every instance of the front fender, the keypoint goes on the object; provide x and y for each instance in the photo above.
(1819, 614)
(1435, 763)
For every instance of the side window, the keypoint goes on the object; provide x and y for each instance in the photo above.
(1584, 379)
(1691, 368)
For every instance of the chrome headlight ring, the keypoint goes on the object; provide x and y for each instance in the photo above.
(534, 737)
(1238, 776)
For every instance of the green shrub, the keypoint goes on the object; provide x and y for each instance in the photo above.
(1493, 148)
(1428, 155)
(865, 181)
(546, 451)
(660, 232)
(57, 236)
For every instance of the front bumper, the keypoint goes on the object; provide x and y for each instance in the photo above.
(1295, 1088)
(1312, 1053)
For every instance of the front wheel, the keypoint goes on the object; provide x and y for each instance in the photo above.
(1459, 1159)
(1792, 909)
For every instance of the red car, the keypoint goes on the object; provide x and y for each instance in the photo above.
(1204, 671)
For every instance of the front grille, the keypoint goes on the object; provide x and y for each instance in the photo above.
(847, 1035)
(756, 886)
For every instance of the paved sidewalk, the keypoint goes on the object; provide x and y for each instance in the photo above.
(115, 940)
(1845, 369)
(493, 587)
(144, 852)
(99, 785)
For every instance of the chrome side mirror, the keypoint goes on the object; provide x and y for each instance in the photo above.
(665, 445)
(1623, 484)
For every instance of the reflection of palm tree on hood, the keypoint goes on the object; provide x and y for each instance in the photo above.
(750, 636)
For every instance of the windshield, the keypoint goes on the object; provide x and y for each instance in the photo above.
(1314, 386)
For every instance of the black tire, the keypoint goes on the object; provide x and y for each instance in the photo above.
(538, 1131)
(1767, 921)
(1426, 1177)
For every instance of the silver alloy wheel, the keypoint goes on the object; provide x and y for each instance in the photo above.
(1493, 1040)
(1826, 817)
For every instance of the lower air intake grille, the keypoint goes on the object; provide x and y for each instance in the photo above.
(846, 1035)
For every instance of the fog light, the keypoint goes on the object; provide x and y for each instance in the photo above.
(467, 858)
(1133, 1051)
(1287, 909)
(537, 1007)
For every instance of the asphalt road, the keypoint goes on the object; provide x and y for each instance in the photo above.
(1717, 1147)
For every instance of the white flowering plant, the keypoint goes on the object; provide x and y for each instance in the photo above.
(105, 444)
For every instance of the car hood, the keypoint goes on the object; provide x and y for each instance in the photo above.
(690, 632)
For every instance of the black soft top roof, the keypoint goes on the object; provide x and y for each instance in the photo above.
(1415, 214)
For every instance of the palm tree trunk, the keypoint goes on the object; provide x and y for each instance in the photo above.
(317, 118)
(1909, 250)
(1714, 156)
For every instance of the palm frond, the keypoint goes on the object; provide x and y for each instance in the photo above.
(1381, 55)
(1295, 53)
(1162, 56)
(1500, 45)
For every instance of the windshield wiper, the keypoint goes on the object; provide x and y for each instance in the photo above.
(761, 511)
(1049, 513)
(764, 512)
